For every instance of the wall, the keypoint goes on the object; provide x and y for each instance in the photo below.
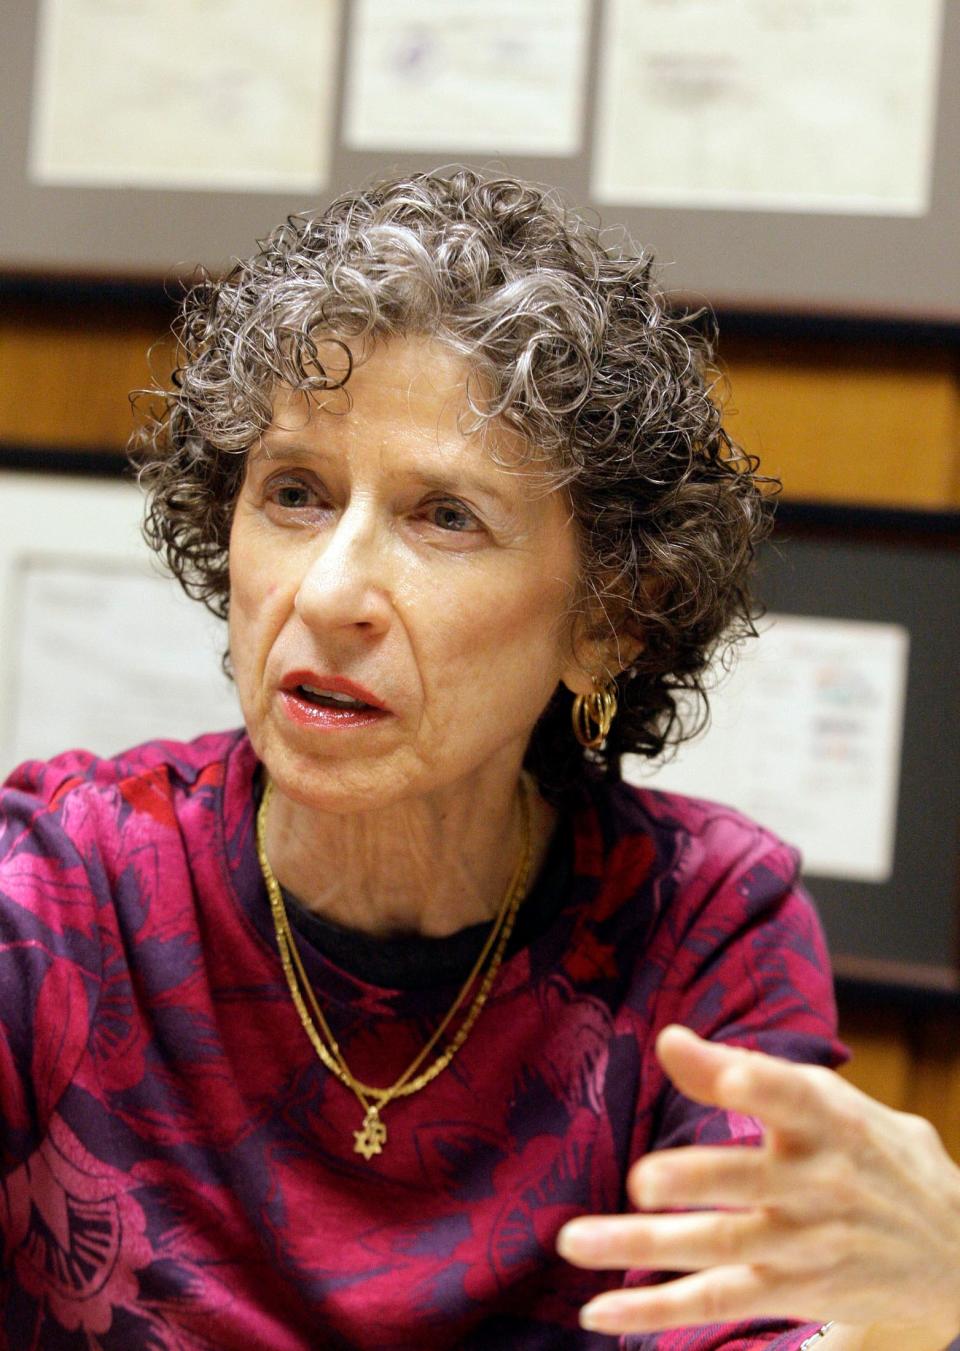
(847, 414)
(851, 419)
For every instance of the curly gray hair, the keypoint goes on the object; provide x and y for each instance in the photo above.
(574, 345)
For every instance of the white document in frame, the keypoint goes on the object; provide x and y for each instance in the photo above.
(805, 737)
(790, 105)
(486, 75)
(201, 94)
(104, 654)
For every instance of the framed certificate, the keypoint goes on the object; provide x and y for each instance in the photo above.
(789, 157)
(840, 730)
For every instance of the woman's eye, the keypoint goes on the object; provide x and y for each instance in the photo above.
(452, 516)
(292, 495)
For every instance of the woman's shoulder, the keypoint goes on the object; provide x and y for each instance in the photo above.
(88, 841)
(82, 812)
(178, 764)
(712, 892)
(696, 844)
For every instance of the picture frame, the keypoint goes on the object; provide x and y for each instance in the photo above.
(864, 571)
(760, 261)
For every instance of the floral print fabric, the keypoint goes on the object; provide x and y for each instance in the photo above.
(178, 1168)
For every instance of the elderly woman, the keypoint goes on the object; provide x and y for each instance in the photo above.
(320, 1034)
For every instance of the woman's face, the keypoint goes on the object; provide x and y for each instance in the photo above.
(400, 604)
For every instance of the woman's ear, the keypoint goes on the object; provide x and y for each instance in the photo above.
(599, 658)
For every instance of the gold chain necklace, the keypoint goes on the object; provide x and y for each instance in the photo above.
(372, 1135)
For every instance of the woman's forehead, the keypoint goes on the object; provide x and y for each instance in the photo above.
(405, 388)
(408, 355)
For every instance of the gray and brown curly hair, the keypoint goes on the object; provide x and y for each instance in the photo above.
(574, 345)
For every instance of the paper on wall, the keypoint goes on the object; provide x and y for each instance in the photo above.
(805, 737)
(201, 94)
(109, 656)
(790, 105)
(97, 650)
(482, 75)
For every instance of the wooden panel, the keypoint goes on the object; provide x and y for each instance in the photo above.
(955, 485)
(868, 424)
(881, 1063)
(908, 1059)
(871, 425)
(67, 384)
(935, 1090)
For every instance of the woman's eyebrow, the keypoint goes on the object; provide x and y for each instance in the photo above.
(281, 450)
(454, 484)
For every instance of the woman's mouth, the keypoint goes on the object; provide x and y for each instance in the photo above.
(333, 702)
(329, 699)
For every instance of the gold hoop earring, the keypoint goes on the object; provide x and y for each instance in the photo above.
(595, 710)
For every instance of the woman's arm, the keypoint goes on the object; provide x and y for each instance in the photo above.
(848, 1211)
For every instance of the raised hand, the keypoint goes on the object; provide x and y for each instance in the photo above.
(849, 1211)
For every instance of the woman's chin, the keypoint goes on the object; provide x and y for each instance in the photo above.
(329, 789)
(335, 784)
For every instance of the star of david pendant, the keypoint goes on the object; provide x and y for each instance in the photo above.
(372, 1137)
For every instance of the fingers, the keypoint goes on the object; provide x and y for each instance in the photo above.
(843, 1211)
(686, 1242)
(711, 1175)
(725, 1294)
(792, 1099)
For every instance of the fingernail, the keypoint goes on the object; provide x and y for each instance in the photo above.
(605, 1314)
(579, 1239)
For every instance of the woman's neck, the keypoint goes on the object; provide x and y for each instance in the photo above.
(428, 866)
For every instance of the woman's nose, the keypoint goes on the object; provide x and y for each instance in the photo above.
(346, 583)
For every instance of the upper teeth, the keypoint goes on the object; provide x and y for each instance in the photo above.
(335, 695)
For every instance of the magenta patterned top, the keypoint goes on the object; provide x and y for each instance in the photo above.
(178, 1167)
